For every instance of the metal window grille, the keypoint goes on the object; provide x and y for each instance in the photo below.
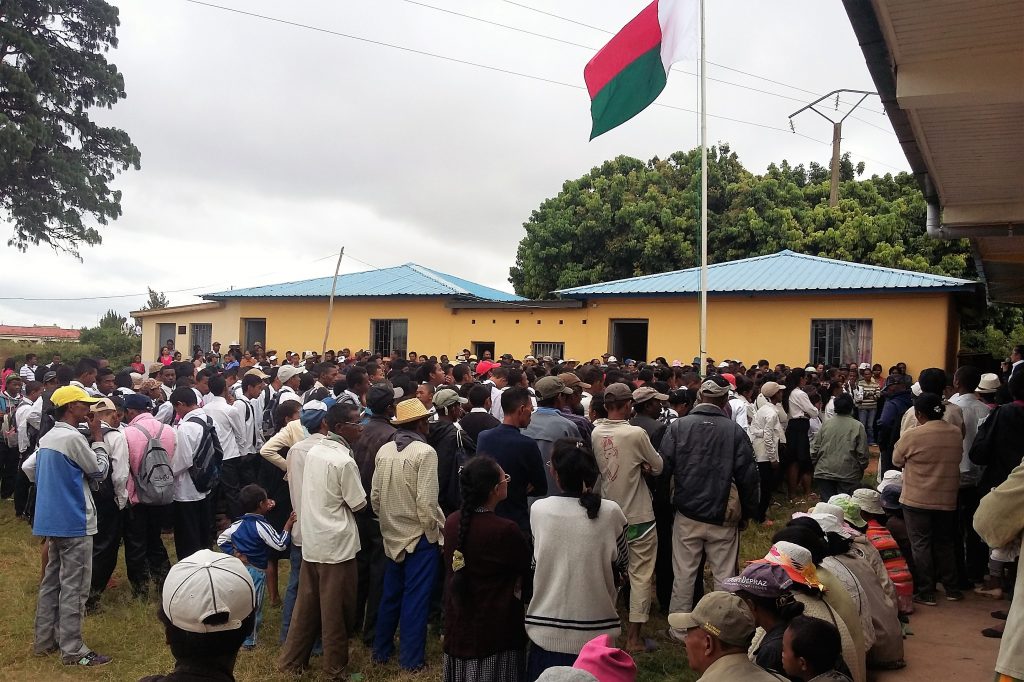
(555, 349)
(390, 336)
(202, 336)
(837, 342)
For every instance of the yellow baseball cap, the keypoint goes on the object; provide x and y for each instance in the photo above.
(70, 394)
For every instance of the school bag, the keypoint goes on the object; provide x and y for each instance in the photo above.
(464, 449)
(154, 483)
(268, 411)
(208, 458)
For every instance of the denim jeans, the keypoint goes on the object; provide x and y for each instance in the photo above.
(259, 581)
(406, 600)
(867, 418)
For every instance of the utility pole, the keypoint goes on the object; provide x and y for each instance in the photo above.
(837, 132)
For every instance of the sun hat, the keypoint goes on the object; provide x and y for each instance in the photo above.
(891, 497)
(287, 372)
(828, 522)
(868, 500)
(572, 381)
(770, 388)
(605, 661)
(616, 392)
(645, 393)
(795, 560)
(826, 508)
(205, 584)
(760, 580)
(890, 477)
(548, 387)
(409, 411)
(715, 387)
(137, 380)
(564, 673)
(447, 397)
(721, 614)
(155, 368)
(851, 510)
(989, 383)
(103, 405)
(65, 395)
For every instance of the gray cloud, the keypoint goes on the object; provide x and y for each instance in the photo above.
(266, 147)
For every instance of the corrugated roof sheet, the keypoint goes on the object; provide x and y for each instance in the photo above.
(402, 280)
(785, 271)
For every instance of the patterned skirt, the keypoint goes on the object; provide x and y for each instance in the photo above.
(504, 666)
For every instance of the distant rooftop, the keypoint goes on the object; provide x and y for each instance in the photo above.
(402, 280)
(46, 333)
(785, 271)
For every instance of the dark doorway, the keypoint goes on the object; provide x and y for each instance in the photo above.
(629, 339)
(480, 346)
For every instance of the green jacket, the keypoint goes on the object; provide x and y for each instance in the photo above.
(840, 450)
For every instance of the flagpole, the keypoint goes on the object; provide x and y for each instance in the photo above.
(703, 201)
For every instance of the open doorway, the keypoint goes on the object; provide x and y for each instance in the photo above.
(628, 339)
(480, 346)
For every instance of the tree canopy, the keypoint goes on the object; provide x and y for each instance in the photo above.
(630, 217)
(56, 163)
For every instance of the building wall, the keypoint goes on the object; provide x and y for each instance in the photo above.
(919, 329)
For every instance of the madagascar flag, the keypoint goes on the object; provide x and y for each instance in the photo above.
(629, 73)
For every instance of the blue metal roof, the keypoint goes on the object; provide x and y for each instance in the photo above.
(402, 280)
(785, 271)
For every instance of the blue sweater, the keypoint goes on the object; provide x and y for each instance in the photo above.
(520, 457)
(251, 535)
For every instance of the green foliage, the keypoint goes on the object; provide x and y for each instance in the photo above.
(56, 163)
(157, 300)
(629, 217)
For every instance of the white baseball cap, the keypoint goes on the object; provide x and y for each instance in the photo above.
(206, 584)
(288, 371)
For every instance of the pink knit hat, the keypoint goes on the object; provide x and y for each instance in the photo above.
(601, 658)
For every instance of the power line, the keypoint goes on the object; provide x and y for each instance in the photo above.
(488, 67)
(591, 48)
(721, 66)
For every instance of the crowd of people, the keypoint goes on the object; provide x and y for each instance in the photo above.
(517, 504)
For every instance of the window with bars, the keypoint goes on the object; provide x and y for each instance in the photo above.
(840, 342)
(556, 349)
(389, 336)
(202, 336)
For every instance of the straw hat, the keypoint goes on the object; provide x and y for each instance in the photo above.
(409, 411)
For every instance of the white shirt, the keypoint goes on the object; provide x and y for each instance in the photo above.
(496, 410)
(230, 424)
(331, 492)
(975, 412)
(187, 437)
(21, 417)
(165, 413)
(765, 433)
(91, 390)
(296, 463)
(117, 446)
(800, 405)
(742, 411)
(252, 425)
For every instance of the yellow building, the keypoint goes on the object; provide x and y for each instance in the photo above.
(784, 307)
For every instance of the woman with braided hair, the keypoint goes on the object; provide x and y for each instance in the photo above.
(485, 558)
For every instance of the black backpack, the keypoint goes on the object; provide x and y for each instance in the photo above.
(208, 458)
(270, 406)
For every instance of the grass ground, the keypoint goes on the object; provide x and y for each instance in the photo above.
(127, 628)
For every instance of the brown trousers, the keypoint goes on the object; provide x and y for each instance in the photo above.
(326, 604)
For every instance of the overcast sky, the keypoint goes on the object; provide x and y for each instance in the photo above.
(265, 146)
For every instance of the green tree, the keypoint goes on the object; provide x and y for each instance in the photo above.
(114, 337)
(56, 163)
(157, 300)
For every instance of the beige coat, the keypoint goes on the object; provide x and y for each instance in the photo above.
(999, 522)
(930, 458)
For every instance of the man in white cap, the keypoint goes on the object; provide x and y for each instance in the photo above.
(207, 609)
(65, 514)
(708, 453)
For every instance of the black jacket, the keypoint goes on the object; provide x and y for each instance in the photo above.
(999, 445)
(706, 452)
(444, 439)
(475, 422)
